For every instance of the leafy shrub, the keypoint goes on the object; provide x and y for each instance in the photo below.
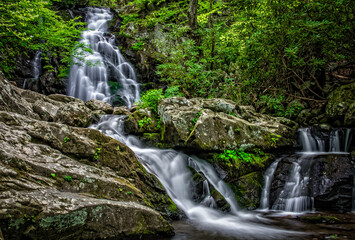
(234, 158)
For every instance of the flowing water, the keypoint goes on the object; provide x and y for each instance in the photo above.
(36, 68)
(296, 195)
(103, 65)
(171, 168)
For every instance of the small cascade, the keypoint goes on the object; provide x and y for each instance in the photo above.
(89, 79)
(208, 171)
(37, 65)
(295, 196)
(268, 177)
(208, 200)
(314, 141)
(171, 168)
(36, 69)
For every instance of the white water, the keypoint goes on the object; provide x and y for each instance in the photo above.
(338, 142)
(268, 177)
(295, 196)
(89, 78)
(36, 68)
(171, 169)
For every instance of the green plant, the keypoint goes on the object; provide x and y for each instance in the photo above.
(274, 139)
(138, 46)
(129, 192)
(145, 122)
(53, 175)
(31, 218)
(234, 158)
(150, 99)
(97, 153)
(68, 178)
(66, 139)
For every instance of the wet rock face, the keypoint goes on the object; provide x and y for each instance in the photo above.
(330, 182)
(64, 182)
(341, 105)
(219, 124)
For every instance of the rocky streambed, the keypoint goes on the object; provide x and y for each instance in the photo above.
(59, 179)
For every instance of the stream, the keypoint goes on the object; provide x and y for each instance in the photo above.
(203, 220)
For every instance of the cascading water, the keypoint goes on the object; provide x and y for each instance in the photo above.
(296, 195)
(171, 169)
(36, 68)
(268, 176)
(89, 79)
(170, 166)
(312, 141)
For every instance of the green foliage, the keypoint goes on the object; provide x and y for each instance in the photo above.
(194, 120)
(97, 153)
(66, 139)
(68, 178)
(274, 139)
(275, 105)
(129, 193)
(138, 46)
(150, 99)
(279, 50)
(234, 158)
(145, 122)
(31, 218)
(32, 25)
(53, 175)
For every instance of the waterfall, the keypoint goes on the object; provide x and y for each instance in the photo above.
(295, 196)
(90, 77)
(208, 200)
(313, 141)
(36, 68)
(171, 168)
(268, 177)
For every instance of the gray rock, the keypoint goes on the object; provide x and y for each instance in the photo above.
(95, 104)
(64, 182)
(74, 114)
(217, 124)
(339, 101)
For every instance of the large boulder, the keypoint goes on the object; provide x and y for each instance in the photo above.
(219, 124)
(340, 106)
(63, 182)
(97, 105)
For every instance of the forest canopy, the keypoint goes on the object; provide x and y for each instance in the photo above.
(260, 51)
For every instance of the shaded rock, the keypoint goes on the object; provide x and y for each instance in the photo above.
(95, 105)
(141, 121)
(121, 111)
(349, 119)
(339, 102)
(74, 114)
(45, 110)
(64, 182)
(218, 124)
(11, 100)
(248, 189)
(57, 215)
(64, 99)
